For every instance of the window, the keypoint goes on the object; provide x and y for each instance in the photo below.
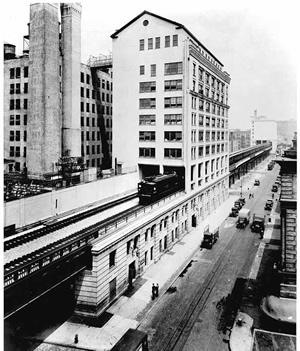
(82, 77)
(201, 105)
(87, 136)
(142, 44)
(201, 120)
(147, 136)
(11, 104)
(147, 87)
(18, 88)
(17, 135)
(25, 120)
(87, 107)
(12, 73)
(18, 104)
(88, 79)
(82, 92)
(200, 151)
(25, 88)
(11, 135)
(150, 43)
(147, 152)
(173, 68)
(173, 153)
(25, 135)
(24, 151)
(175, 40)
(207, 150)
(157, 42)
(173, 102)
(142, 70)
(147, 103)
(207, 136)
(12, 89)
(173, 119)
(112, 258)
(87, 150)
(200, 165)
(11, 120)
(25, 104)
(200, 135)
(18, 72)
(11, 151)
(147, 119)
(87, 93)
(153, 70)
(173, 136)
(167, 41)
(18, 120)
(82, 106)
(103, 83)
(173, 85)
(18, 152)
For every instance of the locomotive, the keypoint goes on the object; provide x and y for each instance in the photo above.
(155, 187)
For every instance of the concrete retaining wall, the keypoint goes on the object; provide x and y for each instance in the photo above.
(40, 207)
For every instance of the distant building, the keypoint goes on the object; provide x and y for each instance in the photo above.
(239, 139)
(286, 130)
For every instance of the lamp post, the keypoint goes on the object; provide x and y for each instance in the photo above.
(241, 195)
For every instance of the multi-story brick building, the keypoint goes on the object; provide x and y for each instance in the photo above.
(54, 105)
(239, 139)
(174, 116)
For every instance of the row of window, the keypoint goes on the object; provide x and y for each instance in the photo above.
(15, 104)
(16, 120)
(100, 108)
(208, 78)
(209, 107)
(16, 88)
(154, 43)
(16, 72)
(104, 97)
(169, 69)
(104, 84)
(149, 152)
(15, 151)
(16, 135)
(168, 136)
(169, 102)
(107, 122)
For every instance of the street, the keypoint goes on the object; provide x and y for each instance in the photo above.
(178, 321)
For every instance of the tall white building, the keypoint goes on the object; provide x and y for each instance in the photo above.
(170, 103)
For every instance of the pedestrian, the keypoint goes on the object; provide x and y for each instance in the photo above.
(76, 339)
(273, 196)
(153, 291)
(156, 290)
(262, 234)
(250, 196)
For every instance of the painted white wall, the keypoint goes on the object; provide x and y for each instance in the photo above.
(36, 208)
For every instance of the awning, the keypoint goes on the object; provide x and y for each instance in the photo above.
(281, 309)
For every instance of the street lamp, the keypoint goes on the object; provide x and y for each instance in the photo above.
(241, 195)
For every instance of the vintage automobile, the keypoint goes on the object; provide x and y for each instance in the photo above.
(269, 205)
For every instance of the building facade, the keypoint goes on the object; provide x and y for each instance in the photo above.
(55, 106)
(174, 117)
(239, 139)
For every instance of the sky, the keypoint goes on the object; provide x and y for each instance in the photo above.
(255, 40)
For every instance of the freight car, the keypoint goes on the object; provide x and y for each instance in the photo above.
(155, 187)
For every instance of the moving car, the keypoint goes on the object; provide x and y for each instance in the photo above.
(258, 223)
(244, 218)
(234, 212)
(269, 205)
(209, 238)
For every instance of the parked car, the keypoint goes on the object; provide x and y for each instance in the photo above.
(238, 204)
(258, 223)
(256, 182)
(269, 205)
(275, 188)
(234, 212)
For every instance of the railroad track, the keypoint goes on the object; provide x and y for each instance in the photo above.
(180, 335)
(25, 238)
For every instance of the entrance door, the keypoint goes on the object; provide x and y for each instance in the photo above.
(131, 273)
(112, 289)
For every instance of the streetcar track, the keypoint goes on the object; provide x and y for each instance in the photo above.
(182, 331)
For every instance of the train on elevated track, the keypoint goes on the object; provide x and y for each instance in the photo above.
(155, 187)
